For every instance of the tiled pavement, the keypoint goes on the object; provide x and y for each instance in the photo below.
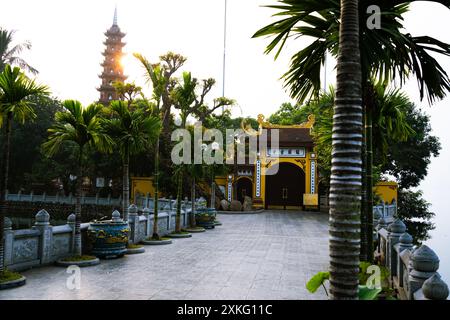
(269, 255)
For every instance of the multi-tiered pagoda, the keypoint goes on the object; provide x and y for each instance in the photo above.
(112, 67)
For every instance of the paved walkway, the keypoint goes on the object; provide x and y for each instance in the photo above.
(270, 255)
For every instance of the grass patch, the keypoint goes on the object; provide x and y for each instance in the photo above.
(158, 239)
(7, 275)
(181, 232)
(134, 246)
(79, 258)
(194, 228)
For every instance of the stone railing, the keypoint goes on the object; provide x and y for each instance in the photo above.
(387, 211)
(57, 198)
(43, 243)
(413, 270)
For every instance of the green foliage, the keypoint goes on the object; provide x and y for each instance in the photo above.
(9, 54)
(15, 88)
(317, 280)
(421, 147)
(386, 53)
(366, 293)
(415, 212)
(30, 167)
(6, 276)
(131, 129)
(79, 126)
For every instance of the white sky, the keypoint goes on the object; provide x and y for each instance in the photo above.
(67, 43)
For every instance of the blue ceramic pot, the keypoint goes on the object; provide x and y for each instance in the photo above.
(205, 217)
(109, 239)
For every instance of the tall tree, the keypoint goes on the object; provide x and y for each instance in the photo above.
(345, 184)
(132, 131)
(183, 96)
(9, 54)
(157, 77)
(15, 88)
(81, 127)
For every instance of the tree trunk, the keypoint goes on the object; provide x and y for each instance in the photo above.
(345, 183)
(179, 196)
(4, 186)
(192, 215)
(77, 250)
(363, 250)
(213, 192)
(369, 184)
(126, 185)
(156, 184)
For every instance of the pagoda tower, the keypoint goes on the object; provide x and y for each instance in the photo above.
(112, 67)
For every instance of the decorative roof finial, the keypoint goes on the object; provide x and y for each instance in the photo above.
(115, 16)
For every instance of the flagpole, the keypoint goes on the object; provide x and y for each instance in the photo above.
(224, 50)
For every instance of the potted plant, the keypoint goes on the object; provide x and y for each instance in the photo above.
(109, 238)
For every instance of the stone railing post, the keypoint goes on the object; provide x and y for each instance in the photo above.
(31, 195)
(133, 221)
(395, 230)
(146, 200)
(434, 288)
(146, 214)
(42, 223)
(169, 214)
(57, 196)
(19, 193)
(406, 243)
(8, 241)
(71, 222)
(44, 196)
(376, 220)
(425, 263)
(115, 217)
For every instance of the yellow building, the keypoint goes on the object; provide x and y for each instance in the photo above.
(386, 191)
(283, 176)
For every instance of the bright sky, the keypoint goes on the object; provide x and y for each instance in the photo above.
(67, 38)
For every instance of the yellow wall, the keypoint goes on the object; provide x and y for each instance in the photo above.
(142, 185)
(386, 190)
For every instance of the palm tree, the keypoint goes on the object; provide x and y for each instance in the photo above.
(345, 184)
(155, 75)
(386, 53)
(9, 55)
(132, 130)
(183, 96)
(83, 128)
(15, 88)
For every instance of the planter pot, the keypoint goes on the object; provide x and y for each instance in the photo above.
(79, 263)
(135, 250)
(13, 283)
(109, 239)
(195, 230)
(205, 217)
(179, 235)
(157, 242)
